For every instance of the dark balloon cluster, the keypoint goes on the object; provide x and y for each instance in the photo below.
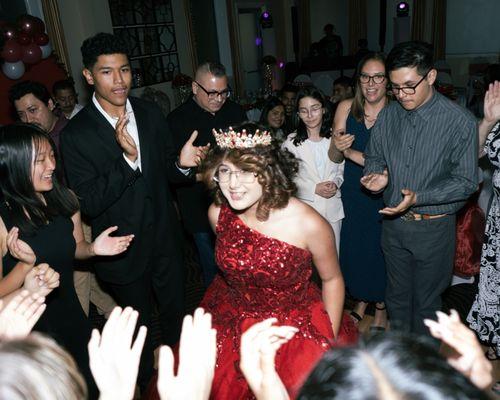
(25, 43)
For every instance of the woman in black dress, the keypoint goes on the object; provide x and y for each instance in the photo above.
(40, 223)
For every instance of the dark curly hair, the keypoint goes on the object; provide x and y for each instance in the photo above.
(102, 43)
(23, 88)
(275, 169)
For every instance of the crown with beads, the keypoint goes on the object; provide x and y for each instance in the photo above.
(232, 139)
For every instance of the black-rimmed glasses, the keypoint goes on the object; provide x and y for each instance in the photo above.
(378, 79)
(408, 89)
(224, 94)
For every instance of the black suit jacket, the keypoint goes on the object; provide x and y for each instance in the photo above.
(112, 193)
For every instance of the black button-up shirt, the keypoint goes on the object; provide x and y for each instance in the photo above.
(193, 198)
(432, 151)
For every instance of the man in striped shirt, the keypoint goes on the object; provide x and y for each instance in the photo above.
(423, 154)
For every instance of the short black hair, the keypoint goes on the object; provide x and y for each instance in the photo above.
(102, 43)
(407, 366)
(289, 88)
(411, 54)
(63, 84)
(214, 68)
(344, 81)
(23, 88)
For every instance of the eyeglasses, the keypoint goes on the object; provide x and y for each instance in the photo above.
(363, 78)
(212, 95)
(223, 175)
(408, 89)
(314, 110)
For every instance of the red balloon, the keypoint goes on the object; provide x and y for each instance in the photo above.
(41, 39)
(23, 38)
(26, 23)
(12, 51)
(9, 31)
(31, 54)
(40, 25)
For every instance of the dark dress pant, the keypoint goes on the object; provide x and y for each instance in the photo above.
(419, 259)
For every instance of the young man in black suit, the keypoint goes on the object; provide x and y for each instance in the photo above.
(119, 159)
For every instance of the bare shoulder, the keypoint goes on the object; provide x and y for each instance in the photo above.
(308, 220)
(344, 106)
(213, 215)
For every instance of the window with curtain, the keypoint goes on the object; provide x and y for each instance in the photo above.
(147, 27)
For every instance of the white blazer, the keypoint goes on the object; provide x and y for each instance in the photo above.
(308, 177)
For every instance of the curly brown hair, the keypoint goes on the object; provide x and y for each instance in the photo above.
(275, 169)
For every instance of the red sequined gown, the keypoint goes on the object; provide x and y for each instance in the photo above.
(263, 277)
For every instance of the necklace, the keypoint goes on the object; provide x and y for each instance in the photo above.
(368, 119)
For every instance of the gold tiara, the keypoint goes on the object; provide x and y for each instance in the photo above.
(232, 139)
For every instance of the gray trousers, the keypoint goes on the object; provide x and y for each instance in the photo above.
(419, 259)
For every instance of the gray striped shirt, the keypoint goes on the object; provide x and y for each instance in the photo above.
(432, 151)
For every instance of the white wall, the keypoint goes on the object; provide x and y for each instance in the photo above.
(472, 27)
(81, 19)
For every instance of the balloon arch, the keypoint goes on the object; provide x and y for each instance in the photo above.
(26, 43)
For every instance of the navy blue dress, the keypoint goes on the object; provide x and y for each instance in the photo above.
(361, 257)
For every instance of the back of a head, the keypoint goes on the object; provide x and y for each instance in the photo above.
(37, 368)
(411, 54)
(101, 44)
(394, 366)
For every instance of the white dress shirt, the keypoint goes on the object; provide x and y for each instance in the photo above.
(131, 129)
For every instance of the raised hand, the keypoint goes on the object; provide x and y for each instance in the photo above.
(492, 103)
(409, 199)
(18, 317)
(197, 354)
(191, 155)
(467, 355)
(342, 141)
(20, 249)
(375, 182)
(259, 345)
(105, 245)
(114, 358)
(124, 139)
(326, 189)
(41, 280)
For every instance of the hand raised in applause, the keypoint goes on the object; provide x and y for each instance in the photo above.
(41, 280)
(124, 139)
(20, 249)
(191, 155)
(259, 345)
(114, 356)
(105, 245)
(409, 199)
(20, 314)
(342, 141)
(197, 354)
(464, 353)
(492, 103)
(326, 189)
(375, 182)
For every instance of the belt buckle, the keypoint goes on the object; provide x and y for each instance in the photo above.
(408, 216)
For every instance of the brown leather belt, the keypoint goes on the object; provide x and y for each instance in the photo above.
(412, 216)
